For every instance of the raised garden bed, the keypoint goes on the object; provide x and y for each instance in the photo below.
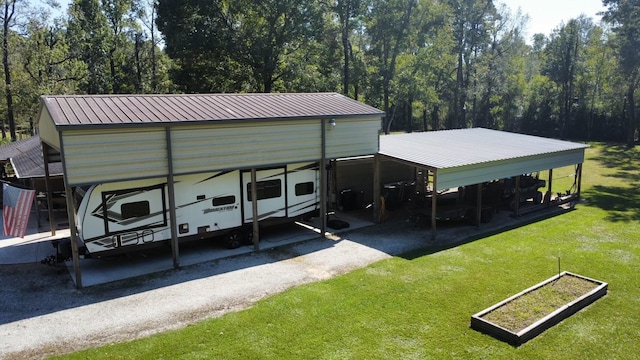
(527, 314)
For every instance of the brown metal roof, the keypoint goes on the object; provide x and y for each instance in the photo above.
(108, 110)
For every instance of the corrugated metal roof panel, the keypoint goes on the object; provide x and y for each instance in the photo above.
(70, 110)
(26, 158)
(13, 149)
(463, 147)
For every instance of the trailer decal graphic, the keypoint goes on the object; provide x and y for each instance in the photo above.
(220, 209)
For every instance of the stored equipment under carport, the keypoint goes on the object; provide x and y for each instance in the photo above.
(123, 216)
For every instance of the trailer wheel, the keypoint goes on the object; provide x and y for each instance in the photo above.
(234, 239)
(248, 235)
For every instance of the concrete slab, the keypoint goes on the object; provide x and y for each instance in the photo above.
(36, 244)
(104, 270)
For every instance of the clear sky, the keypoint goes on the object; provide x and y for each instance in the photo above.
(546, 15)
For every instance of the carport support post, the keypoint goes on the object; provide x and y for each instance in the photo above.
(74, 239)
(376, 189)
(172, 203)
(254, 207)
(479, 205)
(579, 181)
(323, 179)
(47, 186)
(434, 203)
(516, 200)
(550, 189)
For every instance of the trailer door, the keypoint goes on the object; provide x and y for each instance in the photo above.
(271, 185)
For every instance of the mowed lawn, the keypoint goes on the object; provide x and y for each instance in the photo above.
(418, 306)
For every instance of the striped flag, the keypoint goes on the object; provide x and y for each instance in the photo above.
(16, 206)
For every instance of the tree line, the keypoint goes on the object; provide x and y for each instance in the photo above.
(429, 64)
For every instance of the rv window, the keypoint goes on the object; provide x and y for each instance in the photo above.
(135, 209)
(305, 188)
(266, 189)
(224, 200)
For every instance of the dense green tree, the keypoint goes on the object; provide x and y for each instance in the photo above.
(429, 64)
(87, 34)
(121, 16)
(564, 62)
(624, 16)
(471, 25)
(237, 45)
(46, 59)
(388, 28)
(348, 12)
(8, 22)
(498, 77)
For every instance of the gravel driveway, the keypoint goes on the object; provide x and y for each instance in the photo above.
(43, 314)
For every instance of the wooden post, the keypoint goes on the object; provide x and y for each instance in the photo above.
(254, 207)
(173, 218)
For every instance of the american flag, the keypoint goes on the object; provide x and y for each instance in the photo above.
(16, 206)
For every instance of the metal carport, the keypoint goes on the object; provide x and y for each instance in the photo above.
(465, 157)
(108, 138)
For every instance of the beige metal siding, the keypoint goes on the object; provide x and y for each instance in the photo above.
(353, 137)
(95, 156)
(47, 129)
(478, 173)
(244, 145)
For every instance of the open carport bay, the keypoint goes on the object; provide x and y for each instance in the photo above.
(137, 263)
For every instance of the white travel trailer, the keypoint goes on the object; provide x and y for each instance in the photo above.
(122, 216)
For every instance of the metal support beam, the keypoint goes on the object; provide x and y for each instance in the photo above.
(479, 205)
(516, 206)
(32, 184)
(47, 186)
(173, 218)
(71, 214)
(323, 179)
(377, 190)
(579, 181)
(434, 203)
(254, 207)
(75, 254)
(549, 189)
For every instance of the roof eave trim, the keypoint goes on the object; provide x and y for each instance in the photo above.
(176, 123)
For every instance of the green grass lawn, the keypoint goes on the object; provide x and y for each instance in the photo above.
(418, 306)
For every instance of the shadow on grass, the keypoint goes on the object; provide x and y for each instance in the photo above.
(618, 156)
(438, 247)
(620, 201)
